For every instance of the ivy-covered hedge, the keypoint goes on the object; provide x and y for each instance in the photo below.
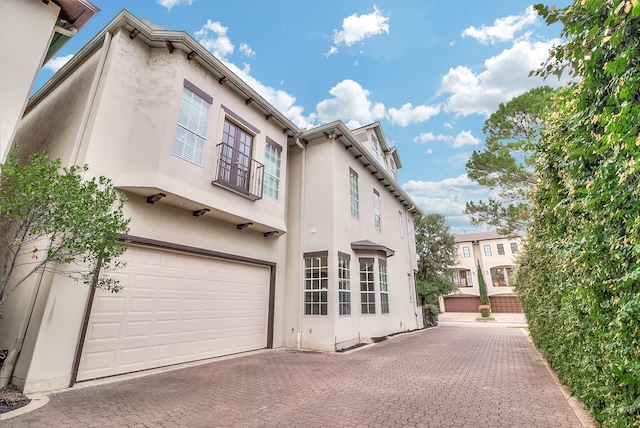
(579, 276)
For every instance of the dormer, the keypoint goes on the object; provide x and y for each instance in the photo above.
(372, 137)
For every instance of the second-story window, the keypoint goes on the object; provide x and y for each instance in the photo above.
(191, 130)
(353, 190)
(238, 145)
(500, 248)
(514, 247)
(466, 252)
(376, 211)
(272, 158)
(487, 250)
(401, 220)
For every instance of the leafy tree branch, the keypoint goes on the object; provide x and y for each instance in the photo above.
(53, 220)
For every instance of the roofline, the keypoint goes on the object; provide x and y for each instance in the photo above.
(351, 143)
(173, 40)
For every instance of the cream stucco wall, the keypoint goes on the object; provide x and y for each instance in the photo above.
(117, 112)
(26, 29)
(328, 225)
(115, 108)
(476, 253)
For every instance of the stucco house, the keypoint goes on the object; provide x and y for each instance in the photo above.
(496, 254)
(247, 232)
(31, 32)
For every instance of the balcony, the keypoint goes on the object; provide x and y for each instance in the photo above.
(462, 278)
(238, 172)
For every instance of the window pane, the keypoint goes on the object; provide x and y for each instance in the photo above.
(315, 286)
(191, 130)
(353, 190)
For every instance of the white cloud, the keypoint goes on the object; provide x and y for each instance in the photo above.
(56, 63)
(447, 197)
(409, 114)
(281, 100)
(429, 151)
(505, 76)
(213, 36)
(171, 3)
(464, 138)
(246, 49)
(356, 28)
(503, 29)
(350, 103)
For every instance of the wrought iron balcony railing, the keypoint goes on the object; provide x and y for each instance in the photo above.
(238, 172)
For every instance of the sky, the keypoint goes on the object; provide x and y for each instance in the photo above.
(430, 71)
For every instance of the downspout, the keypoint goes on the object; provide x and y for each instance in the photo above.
(411, 270)
(301, 238)
(84, 121)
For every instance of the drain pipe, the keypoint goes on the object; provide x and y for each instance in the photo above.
(301, 237)
(415, 286)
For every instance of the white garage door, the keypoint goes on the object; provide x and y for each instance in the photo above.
(175, 308)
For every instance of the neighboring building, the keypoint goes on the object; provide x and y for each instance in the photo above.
(246, 233)
(31, 32)
(496, 254)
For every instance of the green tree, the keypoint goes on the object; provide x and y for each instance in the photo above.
(436, 249)
(51, 219)
(482, 286)
(579, 278)
(505, 164)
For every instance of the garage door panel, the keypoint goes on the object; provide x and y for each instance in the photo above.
(174, 308)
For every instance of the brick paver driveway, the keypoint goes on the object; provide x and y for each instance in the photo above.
(458, 375)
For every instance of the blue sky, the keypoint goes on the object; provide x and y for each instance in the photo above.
(430, 71)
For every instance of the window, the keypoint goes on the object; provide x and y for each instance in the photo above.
(514, 247)
(384, 290)
(353, 190)
(401, 219)
(394, 169)
(235, 158)
(487, 250)
(367, 293)
(272, 156)
(376, 211)
(374, 146)
(191, 130)
(500, 248)
(410, 288)
(344, 284)
(466, 252)
(462, 278)
(315, 284)
(501, 276)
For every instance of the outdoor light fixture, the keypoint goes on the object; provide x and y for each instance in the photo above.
(332, 135)
(203, 211)
(270, 234)
(155, 198)
(244, 225)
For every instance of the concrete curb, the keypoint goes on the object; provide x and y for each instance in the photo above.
(37, 400)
